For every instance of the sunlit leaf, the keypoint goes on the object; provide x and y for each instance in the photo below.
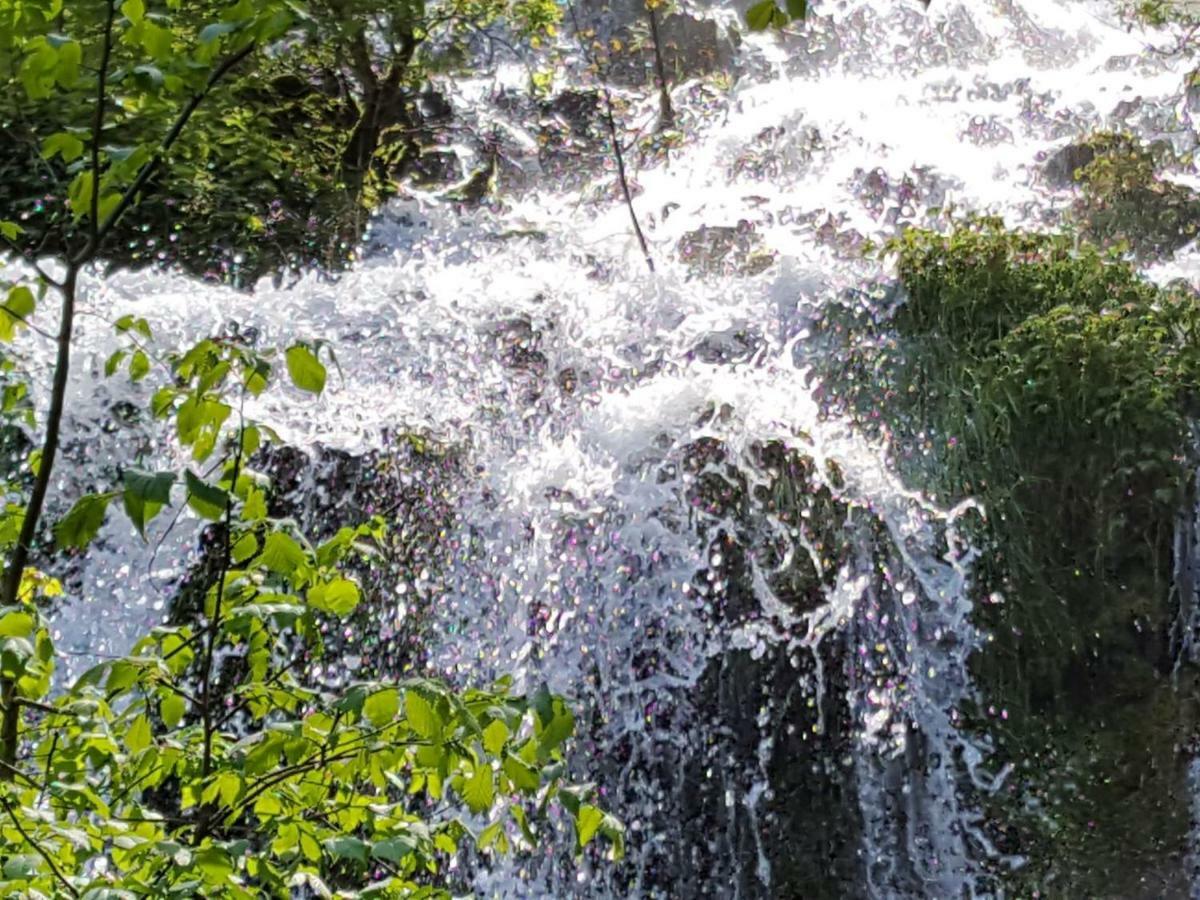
(306, 371)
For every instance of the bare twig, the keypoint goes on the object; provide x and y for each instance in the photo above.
(147, 171)
(26, 258)
(610, 121)
(666, 112)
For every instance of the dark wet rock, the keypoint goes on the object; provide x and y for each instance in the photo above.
(435, 166)
(517, 342)
(1062, 168)
(410, 485)
(691, 46)
(757, 796)
(724, 250)
(735, 345)
(571, 133)
(777, 150)
(579, 111)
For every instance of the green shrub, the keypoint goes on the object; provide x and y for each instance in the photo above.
(1057, 386)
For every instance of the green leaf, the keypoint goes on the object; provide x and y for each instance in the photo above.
(393, 849)
(480, 789)
(151, 75)
(206, 499)
(347, 848)
(145, 495)
(114, 362)
(382, 707)
(21, 867)
(493, 834)
(18, 307)
(15, 653)
(281, 554)
(309, 847)
(107, 206)
(79, 527)
(63, 144)
(305, 369)
(133, 10)
(16, 624)
(11, 230)
(139, 363)
(338, 597)
(587, 823)
(79, 194)
(560, 727)
(760, 15)
(156, 40)
(422, 715)
(245, 547)
(214, 863)
(257, 376)
(495, 736)
(211, 32)
(66, 68)
(523, 776)
(797, 9)
(138, 737)
(171, 708)
(255, 508)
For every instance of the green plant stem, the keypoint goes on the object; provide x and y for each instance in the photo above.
(214, 626)
(98, 122)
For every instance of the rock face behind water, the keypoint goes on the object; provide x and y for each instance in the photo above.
(1124, 195)
(691, 46)
(759, 797)
(409, 485)
(724, 250)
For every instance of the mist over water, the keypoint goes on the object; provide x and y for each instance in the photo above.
(599, 411)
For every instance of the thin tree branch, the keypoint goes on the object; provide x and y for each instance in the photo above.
(10, 723)
(98, 122)
(610, 121)
(25, 258)
(214, 625)
(666, 117)
(148, 170)
(40, 851)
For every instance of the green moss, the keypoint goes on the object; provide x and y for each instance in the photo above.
(1056, 385)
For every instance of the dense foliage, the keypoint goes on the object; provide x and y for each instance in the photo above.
(1058, 386)
(210, 761)
(281, 168)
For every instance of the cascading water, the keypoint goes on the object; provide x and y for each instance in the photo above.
(619, 526)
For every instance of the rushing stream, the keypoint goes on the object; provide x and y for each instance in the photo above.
(643, 460)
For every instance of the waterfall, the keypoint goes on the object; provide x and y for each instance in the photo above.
(645, 465)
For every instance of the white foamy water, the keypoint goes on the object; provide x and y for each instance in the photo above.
(578, 548)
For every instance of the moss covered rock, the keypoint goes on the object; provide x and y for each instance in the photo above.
(1058, 386)
(1124, 198)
